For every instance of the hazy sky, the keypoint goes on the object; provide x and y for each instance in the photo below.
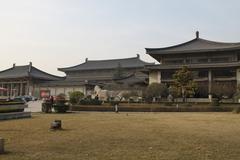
(61, 33)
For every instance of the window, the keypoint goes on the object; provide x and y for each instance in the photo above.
(220, 59)
(166, 75)
(224, 73)
(203, 60)
(174, 61)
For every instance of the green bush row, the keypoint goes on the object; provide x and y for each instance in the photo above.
(90, 102)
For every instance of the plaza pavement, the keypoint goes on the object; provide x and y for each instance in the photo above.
(34, 106)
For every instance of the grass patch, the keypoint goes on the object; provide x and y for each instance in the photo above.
(140, 136)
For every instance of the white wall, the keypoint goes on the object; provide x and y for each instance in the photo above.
(54, 91)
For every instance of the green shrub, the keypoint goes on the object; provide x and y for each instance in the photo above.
(75, 97)
(215, 102)
(113, 103)
(5, 110)
(60, 108)
(60, 104)
(90, 102)
(155, 90)
(11, 102)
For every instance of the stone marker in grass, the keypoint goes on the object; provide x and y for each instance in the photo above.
(56, 125)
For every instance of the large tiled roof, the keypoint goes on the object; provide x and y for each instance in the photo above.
(26, 71)
(196, 45)
(134, 62)
(132, 79)
(66, 82)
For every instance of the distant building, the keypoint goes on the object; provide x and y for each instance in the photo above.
(85, 76)
(24, 80)
(211, 63)
(28, 80)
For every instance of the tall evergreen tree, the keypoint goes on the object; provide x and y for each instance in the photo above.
(183, 83)
(119, 72)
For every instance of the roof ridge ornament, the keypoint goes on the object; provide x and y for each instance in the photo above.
(30, 67)
(197, 34)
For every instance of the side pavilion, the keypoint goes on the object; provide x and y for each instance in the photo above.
(24, 80)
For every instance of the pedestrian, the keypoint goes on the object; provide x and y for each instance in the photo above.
(116, 107)
(96, 97)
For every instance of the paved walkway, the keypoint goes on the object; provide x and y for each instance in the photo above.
(34, 106)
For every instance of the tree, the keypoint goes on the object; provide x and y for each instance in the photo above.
(155, 90)
(75, 97)
(119, 72)
(223, 90)
(183, 83)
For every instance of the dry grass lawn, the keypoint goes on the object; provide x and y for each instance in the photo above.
(131, 136)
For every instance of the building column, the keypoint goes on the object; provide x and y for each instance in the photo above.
(28, 89)
(209, 81)
(85, 90)
(2, 91)
(64, 90)
(21, 88)
(11, 90)
(8, 90)
(155, 77)
(238, 77)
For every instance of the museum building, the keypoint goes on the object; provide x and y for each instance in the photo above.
(212, 64)
(85, 76)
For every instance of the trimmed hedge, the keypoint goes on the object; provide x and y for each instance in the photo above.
(60, 108)
(7, 107)
(147, 108)
(10, 110)
(90, 102)
(10, 103)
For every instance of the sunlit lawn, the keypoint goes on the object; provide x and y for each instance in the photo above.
(102, 136)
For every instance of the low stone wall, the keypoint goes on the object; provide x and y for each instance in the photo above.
(15, 115)
(12, 108)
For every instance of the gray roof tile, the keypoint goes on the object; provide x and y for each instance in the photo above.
(134, 62)
(26, 71)
(195, 45)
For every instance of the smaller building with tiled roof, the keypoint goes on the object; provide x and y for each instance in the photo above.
(103, 70)
(127, 63)
(24, 80)
(85, 76)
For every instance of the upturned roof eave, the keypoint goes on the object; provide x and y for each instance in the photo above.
(212, 48)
